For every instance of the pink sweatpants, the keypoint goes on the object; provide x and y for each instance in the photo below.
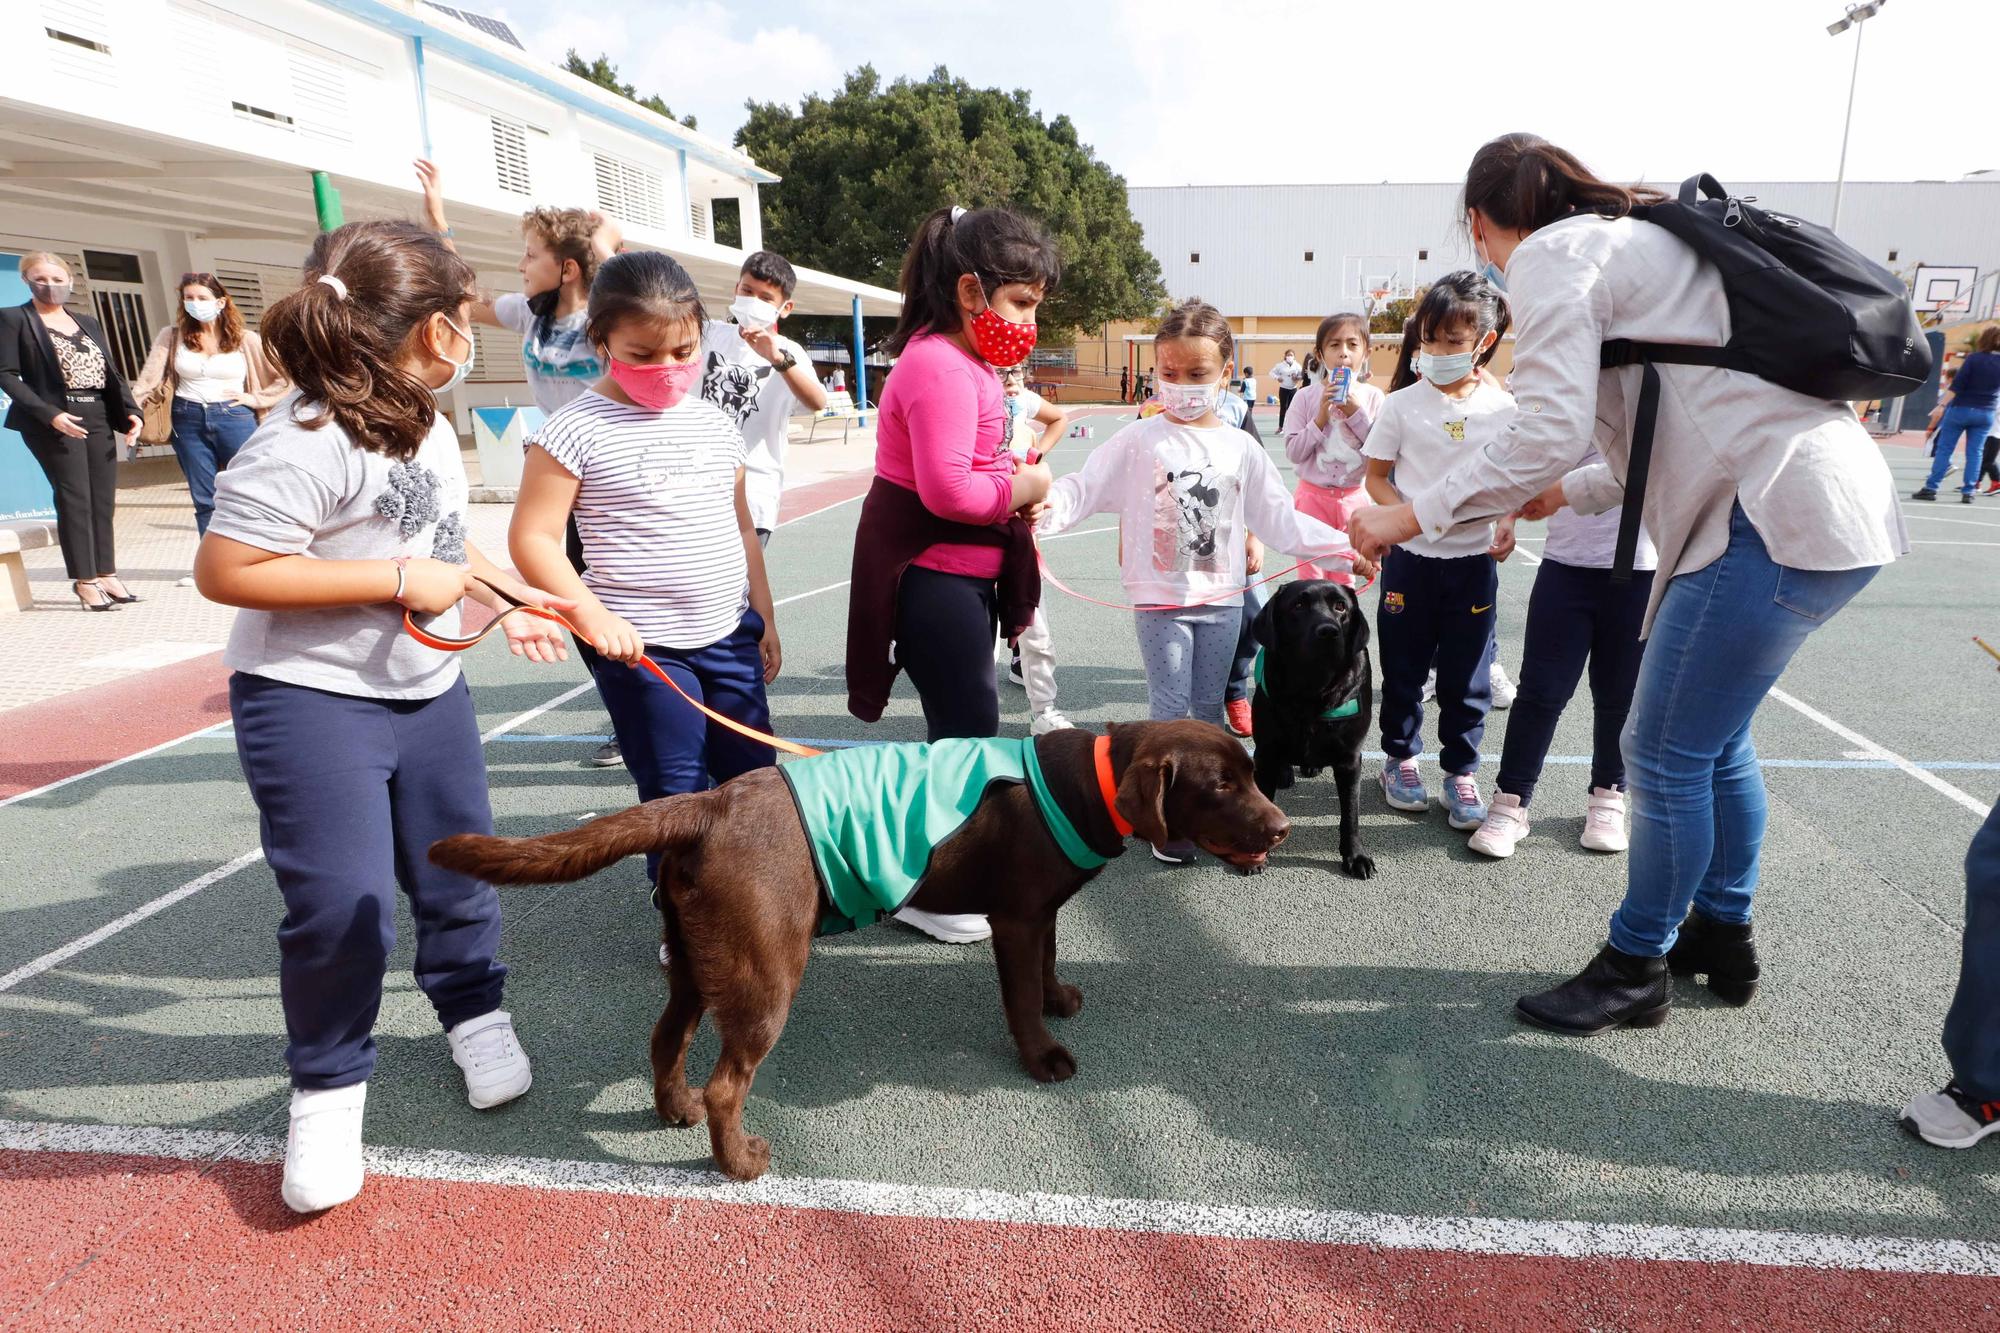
(1331, 507)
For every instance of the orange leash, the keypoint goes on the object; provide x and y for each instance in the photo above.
(459, 645)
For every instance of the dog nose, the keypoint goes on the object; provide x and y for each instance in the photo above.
(1279, 829)
(1325, 631)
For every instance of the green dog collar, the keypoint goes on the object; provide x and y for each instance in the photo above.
(1348, 709)
(1073, 846)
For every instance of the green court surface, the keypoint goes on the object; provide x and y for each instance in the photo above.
(1296, 1039)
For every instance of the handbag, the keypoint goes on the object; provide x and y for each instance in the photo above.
(157, 416)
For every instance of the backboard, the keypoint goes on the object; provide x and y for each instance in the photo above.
(1944, 289)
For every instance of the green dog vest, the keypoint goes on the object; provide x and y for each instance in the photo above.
(874, 814)
(1348, 709)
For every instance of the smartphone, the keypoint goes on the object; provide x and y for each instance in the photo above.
(1339, 380)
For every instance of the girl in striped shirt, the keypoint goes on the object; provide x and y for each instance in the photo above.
(653, 473)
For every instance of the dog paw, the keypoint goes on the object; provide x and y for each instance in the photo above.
(1051, 1066)
(683, 1106)
(1359, 866)
(1062, 1001)
(752, 1161)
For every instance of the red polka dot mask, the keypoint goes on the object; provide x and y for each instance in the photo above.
(1001, 341)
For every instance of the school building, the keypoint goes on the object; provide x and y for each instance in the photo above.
(144, 138)
(1276, 259)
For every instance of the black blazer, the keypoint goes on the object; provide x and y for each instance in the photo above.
(30, 375)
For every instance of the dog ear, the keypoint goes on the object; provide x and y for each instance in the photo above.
(1142, 797)
(1265, 626)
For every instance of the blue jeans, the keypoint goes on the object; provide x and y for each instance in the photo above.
(668, 746)
(351, 792)
(1254, 601)
(1972, 1028)
(1975, 423)
(206, 437)
(1723, 636)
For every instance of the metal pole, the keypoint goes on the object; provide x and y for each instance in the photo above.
(326, 202)
(1840, 179)
(860, 367)
(423, 95)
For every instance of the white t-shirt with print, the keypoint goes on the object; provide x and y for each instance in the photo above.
(560, 361)
(758, 400)
(1426, 434)
(657, 513)
(1023, 431)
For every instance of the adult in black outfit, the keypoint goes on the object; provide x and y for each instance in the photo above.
(69, 403)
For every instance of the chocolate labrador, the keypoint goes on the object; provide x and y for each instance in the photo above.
(746, 883)
(1314, 700)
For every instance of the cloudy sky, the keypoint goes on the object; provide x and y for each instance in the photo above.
(1175, 92)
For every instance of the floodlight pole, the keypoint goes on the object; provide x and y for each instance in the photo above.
(1840, 177)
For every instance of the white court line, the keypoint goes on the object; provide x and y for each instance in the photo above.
(536, 711)
(60, 783)
(1452, 1235)
(786, 523)
(28, 971)
(1875, 751)
(1939, 518)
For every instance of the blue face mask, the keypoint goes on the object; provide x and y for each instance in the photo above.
(1493, 274)
(1443, 370)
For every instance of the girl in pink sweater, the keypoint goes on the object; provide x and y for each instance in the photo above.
(1326, 427)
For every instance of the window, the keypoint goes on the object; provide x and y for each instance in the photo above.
(59, 35)
(698, 219)
(1309, 256)
(112, 266)
(1892, 256)
(629, 192)
(510, 155)
(264, 114)
(1194, 257)
(1423, 254)
(79, 34)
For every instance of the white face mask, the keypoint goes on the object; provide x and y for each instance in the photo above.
(202, 312)
(753, 313)
(1187, 402)
(459, 369)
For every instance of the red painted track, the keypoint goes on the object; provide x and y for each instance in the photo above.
(108, 1242)
(73, 733)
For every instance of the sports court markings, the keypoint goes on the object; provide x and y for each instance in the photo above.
(1456, 1235)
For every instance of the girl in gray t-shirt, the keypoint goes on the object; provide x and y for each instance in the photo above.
(359, 744)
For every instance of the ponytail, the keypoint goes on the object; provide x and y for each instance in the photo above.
(341, 341)
(1523, 182)
(997, 245)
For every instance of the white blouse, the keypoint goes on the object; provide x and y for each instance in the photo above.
(201, 378)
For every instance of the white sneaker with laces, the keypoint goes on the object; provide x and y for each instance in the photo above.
(1604, 821)
(323, 1147)
(950, 928)
(495, 1067)
(1430, 689)
(1503, 688)
(1048, 720)
(1506, 824)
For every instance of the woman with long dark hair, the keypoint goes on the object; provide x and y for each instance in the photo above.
(1770, 510)
(219, 380)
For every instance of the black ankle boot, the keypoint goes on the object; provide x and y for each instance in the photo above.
(1616, 990)
(1722, 951)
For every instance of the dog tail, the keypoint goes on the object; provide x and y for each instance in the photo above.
(557, 858)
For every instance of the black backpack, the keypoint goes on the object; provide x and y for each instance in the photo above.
(1806, 310)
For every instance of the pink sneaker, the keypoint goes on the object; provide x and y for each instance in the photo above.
(1604, 821)
(1506, 823)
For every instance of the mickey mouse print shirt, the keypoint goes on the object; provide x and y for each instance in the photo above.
(657, 513)
(306, 492)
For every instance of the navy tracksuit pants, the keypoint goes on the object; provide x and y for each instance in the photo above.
(351, 792)
(1438, 611)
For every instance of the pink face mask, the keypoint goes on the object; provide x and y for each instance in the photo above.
(658, 387)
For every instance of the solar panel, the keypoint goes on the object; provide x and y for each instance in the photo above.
(492, 27)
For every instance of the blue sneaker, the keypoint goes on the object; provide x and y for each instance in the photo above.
(1401, 787)
(1465, 811)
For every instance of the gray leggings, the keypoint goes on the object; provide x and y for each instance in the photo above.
(1187, 656)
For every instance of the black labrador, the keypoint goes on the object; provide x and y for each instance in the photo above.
(1315, 698)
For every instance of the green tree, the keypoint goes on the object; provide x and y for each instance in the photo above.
(863, 167)
(605, 75)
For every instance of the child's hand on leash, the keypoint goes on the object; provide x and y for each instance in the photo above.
(1503, 538)
(1253, 555)
(1365, 568)
(1376, 528)
(532, 637)
(612, 636)
(432, 587)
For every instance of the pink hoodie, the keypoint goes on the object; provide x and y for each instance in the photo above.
(1331, 457)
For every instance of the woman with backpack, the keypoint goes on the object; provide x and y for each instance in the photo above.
(1770, 509)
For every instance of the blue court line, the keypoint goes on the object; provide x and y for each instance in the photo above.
(1935, 765)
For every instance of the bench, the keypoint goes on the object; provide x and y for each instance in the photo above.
(839, 407)
(15, 537)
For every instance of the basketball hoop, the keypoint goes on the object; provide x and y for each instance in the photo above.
(1373, 301)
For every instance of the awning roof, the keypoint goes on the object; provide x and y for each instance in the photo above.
(107, 171)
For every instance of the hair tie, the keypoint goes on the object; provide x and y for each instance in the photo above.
(339, 287)
(956, 213)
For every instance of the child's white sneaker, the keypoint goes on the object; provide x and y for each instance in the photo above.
(1048, 720)
(487, 1051)
(323, 1147)
(1502, 688)
(1604, 821)
(947, 927)
(1506, 823)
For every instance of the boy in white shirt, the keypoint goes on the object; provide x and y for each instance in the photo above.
(1437, 594)
(755, 375)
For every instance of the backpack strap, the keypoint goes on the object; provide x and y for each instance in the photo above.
(1625, 352)
(1702, 184)
(1637, 464)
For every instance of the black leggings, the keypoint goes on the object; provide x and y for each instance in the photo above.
(84, 475)
(945, 625)
(1991, 468)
